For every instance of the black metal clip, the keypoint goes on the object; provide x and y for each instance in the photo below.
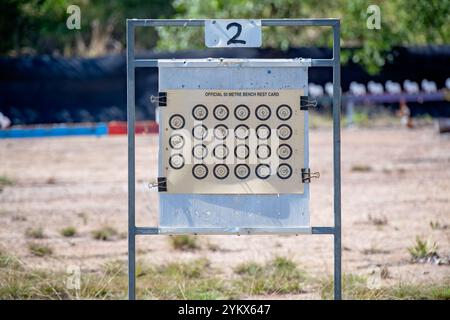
(161, 99)
(306, 103)
(161, 184)
(307, 175)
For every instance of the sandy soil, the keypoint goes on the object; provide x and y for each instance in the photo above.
(82, 181)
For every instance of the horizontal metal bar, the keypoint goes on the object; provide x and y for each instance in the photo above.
(322, 230)
(233, 63)
(299, 22)
(201, 22)
(146, 230)
(153, 63)
(221, 231)
(149, 63)
(322, 62)
(166, 22)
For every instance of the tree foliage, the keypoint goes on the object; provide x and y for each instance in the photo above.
(39, 26)
(403, 22)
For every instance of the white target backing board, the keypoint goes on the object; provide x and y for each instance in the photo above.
(206, 100)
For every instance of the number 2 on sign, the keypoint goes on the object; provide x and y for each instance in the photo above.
(234, 39)
(224, 33)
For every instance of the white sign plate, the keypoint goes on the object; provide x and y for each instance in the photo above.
(233, 33)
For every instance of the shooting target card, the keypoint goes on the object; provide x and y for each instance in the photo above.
(233, 141)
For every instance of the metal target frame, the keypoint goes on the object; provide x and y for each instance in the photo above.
(133, 63)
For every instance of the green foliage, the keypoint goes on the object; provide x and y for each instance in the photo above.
(105, 233)
(355, 288)
(69, 232)
(402, 23)
(9, 261)
(422, 249)
(5, 181)
(280, 37)
(194, 279)
(184, 242)
(280, 275)
(191, 280)
(40, 250)
(35, 233)
(39, 26)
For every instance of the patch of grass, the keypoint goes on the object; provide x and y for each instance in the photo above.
(31, 285)
(105, 233)
(353, 287)
(69, 232)
(280, 275)
(39, 250)
(422, 250)
(378, 220)
(35, 233)
(422, 292)
(436, 225)
(9, 261)
(191, 280)
(115, 267)
(356, 288)
(184, 242)
(361, 168)
(6, 181)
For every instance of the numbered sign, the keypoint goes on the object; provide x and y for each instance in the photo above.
(232, 33)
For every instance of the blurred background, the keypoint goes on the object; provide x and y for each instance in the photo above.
(63, 200)
(52, 74)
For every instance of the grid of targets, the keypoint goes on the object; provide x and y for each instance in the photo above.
(221, 131)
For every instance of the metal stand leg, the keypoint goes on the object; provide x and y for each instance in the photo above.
(337, 160)
(131, 164)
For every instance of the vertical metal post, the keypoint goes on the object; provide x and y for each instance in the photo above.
(337, 160)
(131, 162)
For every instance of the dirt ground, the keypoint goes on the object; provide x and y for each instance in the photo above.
(398, 176)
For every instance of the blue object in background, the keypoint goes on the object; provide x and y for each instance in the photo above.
(97, 129)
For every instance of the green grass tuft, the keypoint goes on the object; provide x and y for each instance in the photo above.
(9, 261)
(279, 276)
(423, 249)
(40, 250)
(6, 181)
(35, 233)
(356, 287)
(69, 232)
(184, 242)
(105, 233)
